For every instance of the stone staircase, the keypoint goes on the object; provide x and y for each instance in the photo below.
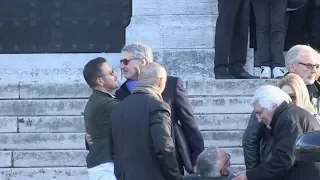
(42, 96)
(42, 128)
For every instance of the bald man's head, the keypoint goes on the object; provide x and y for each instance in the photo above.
(153, 74)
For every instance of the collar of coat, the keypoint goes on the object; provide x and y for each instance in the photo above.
(145, 88)
(278, 112)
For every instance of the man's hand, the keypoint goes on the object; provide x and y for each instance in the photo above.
(240, 176)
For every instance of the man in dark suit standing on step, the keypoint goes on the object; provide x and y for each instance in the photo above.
(136, 55)
(231, 39)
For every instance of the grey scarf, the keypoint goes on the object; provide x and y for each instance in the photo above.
(146, 88)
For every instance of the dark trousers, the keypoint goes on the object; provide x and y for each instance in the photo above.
(314, 27)
(231, 36)
(270, 31)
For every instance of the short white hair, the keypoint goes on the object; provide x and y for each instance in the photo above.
(140, 51)
(268, 96)
(298, 52)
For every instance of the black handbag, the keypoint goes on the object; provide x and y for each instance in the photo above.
(183, 147)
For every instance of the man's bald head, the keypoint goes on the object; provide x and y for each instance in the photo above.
(153, 74)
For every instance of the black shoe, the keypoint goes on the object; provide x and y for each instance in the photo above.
(245, 75)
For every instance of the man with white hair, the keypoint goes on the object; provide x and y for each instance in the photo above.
(133, 57)
(212, 163)
(141, 131)
(273, 107)
(305, 61)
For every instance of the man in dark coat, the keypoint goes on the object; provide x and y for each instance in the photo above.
(141, 131)
(303, 61)
(136, 55)
(212, 163)
(103, 80)
(286, 121)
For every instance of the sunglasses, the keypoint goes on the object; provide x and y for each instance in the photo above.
(310, 66)
(126, 61)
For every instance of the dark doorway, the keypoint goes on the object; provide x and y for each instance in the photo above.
(63, 26)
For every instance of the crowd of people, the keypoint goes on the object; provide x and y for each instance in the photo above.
(131, 129)
(145, 129)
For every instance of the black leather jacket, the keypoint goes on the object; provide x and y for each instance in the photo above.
(257, 143)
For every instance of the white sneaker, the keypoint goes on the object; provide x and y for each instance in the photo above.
(278, 72)
(265, 72)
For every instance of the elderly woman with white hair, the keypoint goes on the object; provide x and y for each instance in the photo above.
(274, 108)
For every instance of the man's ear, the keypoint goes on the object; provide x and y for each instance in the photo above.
(143, 62)
(99, 81)
(225, 171)
(291, 68)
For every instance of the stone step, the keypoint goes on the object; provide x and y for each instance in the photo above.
(70, 124)
(9, 141)
(58, 173)
(54, 173)
(177, 7)
(71, 158)
(173, 31)
(231, 87)
(59, 141)
(222, 138)
(185, 63)
(59, 107)
(58, 90)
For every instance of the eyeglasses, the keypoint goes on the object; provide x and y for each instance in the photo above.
(310, 66)
(125, 61)
(228, 159)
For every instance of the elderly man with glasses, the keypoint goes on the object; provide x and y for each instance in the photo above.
(212, 163)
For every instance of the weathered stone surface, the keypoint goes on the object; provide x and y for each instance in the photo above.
(8, 124)
(54, 90)
(222, 138)
(42, 107)
(5, 159)
(41, 75)
(9, 90)
(185, 63)
(234, 87)
(49, 158)
(177, 7)
(42, 141)
(67, 173)
(223, 121)
(221, 105)
(173, 31)
(51, 124)
(236, 155)
(190, 63)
